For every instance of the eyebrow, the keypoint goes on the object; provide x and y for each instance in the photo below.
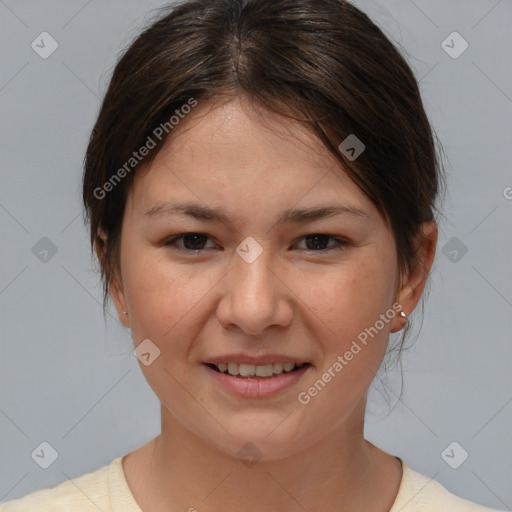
(291, 216)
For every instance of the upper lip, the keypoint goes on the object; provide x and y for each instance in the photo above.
(255, 360)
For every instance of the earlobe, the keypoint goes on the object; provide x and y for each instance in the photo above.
(118, 298)
(412, 289)
(115, 283)
(400, 321)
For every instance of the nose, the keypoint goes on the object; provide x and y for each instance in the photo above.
(255, 296)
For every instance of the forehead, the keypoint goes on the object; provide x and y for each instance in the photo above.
(242, 135)
(233, 153)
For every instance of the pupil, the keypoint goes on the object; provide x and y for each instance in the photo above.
(196, 237)
(317, 241)
(196, 241)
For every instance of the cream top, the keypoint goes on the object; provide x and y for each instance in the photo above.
(106, 489)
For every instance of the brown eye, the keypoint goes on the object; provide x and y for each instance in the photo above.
(196, 242)
(191, 242)
(318, 242)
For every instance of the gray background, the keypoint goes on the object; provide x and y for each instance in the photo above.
(68, 380)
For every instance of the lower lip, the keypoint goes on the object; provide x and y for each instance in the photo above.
(257, 387)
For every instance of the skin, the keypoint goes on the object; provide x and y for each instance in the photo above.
(291, 300)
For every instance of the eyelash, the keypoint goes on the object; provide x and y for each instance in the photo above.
(340, 243)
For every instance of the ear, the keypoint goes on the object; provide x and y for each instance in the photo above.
(413, 285)
(115, 284)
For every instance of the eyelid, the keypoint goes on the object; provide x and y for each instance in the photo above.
(340, 242)
(171, 242)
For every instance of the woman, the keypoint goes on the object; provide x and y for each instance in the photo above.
(260, 185)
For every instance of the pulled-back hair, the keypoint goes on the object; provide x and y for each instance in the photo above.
(322, 62)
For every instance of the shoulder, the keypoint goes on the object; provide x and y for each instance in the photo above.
(419, 493)
(88, 492)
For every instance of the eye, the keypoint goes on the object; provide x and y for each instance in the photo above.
(316, 242)
(195, 242)
(192, 242)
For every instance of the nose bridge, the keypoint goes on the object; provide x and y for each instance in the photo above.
(253, 271)
(253, 298)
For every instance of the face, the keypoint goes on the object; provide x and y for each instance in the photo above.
(256, 272)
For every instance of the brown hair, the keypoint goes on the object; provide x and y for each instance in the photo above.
(323, 62)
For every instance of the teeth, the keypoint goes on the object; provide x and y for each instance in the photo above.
(248, 370)
(277, 367)
(233, 369)
(265, 370)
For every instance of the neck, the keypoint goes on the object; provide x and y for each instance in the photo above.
(179, 471)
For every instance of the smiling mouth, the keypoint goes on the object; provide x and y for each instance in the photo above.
(249, 371)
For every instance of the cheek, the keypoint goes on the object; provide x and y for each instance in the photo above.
(351, 333)
(161, 295)
(163, 299)
(351, 299)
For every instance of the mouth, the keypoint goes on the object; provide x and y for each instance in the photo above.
(249, 371)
